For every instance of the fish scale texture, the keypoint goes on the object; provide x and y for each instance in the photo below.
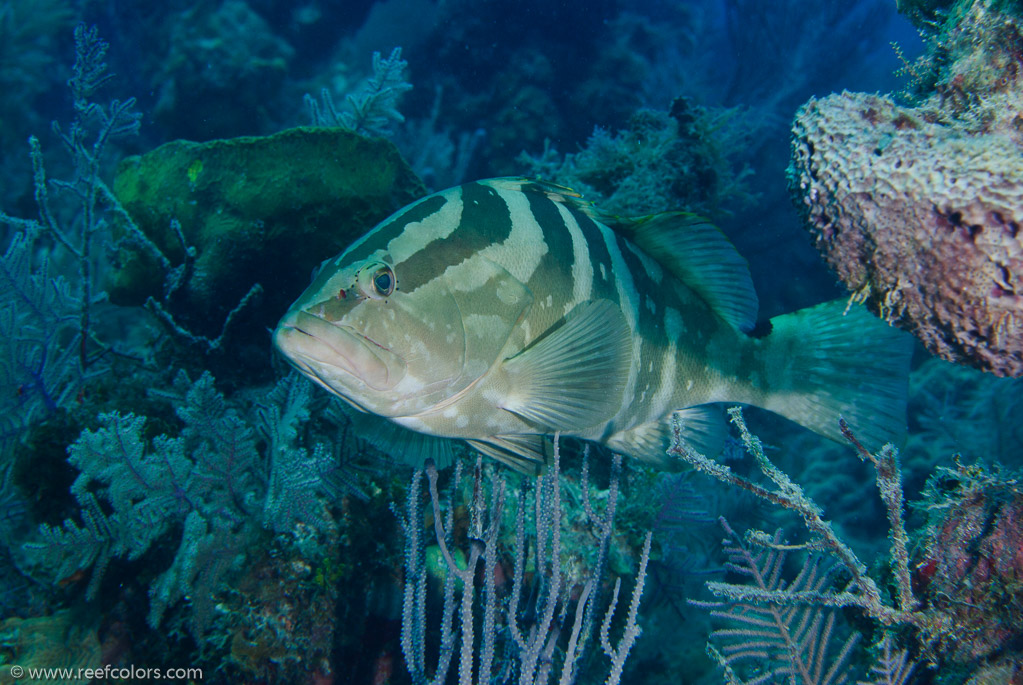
(921, 219)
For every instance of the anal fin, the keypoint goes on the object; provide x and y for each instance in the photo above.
(704, 429)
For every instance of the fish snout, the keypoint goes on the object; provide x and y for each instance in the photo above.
(331, 352)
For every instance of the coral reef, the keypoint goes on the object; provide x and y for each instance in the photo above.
(973, 560)
(247, 530)
(279, 616)
(29, 32)
(215, 486)
(958, 410)
(223, 66)
(253, 209)
(519, 641)
(958, 595)
(63, 640)
(918, 209)
(373, 107)
(49, 293)
(684, 158)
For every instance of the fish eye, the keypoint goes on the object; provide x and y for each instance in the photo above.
(376, 280)
(383, 281)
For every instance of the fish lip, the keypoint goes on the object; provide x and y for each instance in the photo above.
(302, 360)
(343, 348)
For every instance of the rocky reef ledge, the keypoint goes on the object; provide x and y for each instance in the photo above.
(918, 207)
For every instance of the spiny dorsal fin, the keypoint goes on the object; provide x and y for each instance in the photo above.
(553, 191)
(688, 246)
(699, 255)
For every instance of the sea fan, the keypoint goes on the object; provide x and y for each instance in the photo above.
(789, 643)
(373, 108)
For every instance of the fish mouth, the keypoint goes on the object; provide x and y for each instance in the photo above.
(329, 352)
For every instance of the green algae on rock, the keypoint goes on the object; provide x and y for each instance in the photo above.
(257, 210)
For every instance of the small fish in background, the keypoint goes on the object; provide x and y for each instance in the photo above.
(501, 311)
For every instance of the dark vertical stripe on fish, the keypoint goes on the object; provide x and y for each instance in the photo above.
(603, 287)
(486, 221)
(559, 259)
(393, 228)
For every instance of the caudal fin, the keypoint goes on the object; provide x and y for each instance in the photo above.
(840, 363)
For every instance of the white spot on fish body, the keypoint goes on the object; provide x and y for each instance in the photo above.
(482, 324)
(409, 385)
(674, 324)
(507, 292)
(413, 423)
(493, 396)
(628, 298)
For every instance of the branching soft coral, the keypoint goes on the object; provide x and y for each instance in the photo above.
(684, 159)
(213, 480)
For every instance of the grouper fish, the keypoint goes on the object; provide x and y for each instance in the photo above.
(501, 311)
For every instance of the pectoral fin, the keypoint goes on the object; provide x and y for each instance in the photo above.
(574, 377)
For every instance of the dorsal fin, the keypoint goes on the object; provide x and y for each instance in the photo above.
(688, 246)
(553, 191)
(697, 253)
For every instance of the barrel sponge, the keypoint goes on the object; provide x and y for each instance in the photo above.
(919, 217)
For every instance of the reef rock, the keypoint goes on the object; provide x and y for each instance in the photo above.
(222, 66)
(918, 209)
(972, 561)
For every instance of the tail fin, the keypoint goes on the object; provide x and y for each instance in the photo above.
(840, 363)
